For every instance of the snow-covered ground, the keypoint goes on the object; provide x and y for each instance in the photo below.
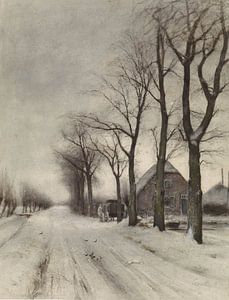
(58, 255)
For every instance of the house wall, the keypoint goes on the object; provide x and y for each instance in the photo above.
(176, 187)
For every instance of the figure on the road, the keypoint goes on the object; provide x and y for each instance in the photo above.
(100, 213)
(106, 213)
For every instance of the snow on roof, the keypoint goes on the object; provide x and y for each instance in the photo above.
(169, 168)
(216, 194)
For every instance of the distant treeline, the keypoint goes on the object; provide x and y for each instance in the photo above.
(33, 200)
(29, 197)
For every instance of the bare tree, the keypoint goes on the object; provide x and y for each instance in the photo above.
(126, 97)
(74, 178)
(161, 68)
(202, 38)
(33, 199)
(8, 197)
(88, 160)
(110, 150)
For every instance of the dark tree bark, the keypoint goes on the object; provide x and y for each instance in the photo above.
(127, 97)
(110, 150)
(195, 194)
(81, 195)
(74, 178)
(86, 160)
(159, 71)
(159, 219)
(79, 192)
(203, 38)
(119, 199)
(90, 195)
(132, 208)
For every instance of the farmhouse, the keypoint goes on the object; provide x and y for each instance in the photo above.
(176, 191)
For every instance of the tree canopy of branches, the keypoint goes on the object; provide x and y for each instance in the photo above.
(74, 179)
(33, 199)
(162, 66)
(109, 148)
(127, 98)
(81, 156)
(8, 198)
(197, 33)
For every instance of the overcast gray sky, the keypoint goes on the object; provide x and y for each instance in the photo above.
(50, 52)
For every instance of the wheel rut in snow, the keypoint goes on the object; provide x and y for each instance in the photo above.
(98, 263)
(111, 270)
(106, 273)
(81, 284)
(195, 270)
(123, 261)
(40, 277)
(59, 274)
(14, 234)
(171, 290)
(172, 287)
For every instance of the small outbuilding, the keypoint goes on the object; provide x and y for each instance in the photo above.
(216, 200)
(176, 191)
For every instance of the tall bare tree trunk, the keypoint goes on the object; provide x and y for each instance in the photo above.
(201, 33)
(90, 195)
(82, 200)
(195, 194)
(77, 195)
(132, 200)
(159, 218)
(119, 199)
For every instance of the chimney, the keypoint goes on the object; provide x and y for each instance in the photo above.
(222, 176)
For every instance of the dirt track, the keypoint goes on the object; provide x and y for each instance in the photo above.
(58, 255)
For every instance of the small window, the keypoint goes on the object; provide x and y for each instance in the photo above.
(184, 196)
(167, 201)
(170, 201)
(167, 183)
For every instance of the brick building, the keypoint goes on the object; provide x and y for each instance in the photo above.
(176, 191)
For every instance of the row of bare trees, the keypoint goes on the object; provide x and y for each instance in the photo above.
(80, 163)
(80, 160)
(197, 34)
(30, 198)
(8, 199)
(33, 200)
(170, 68)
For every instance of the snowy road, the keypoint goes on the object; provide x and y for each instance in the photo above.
(58, 255)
